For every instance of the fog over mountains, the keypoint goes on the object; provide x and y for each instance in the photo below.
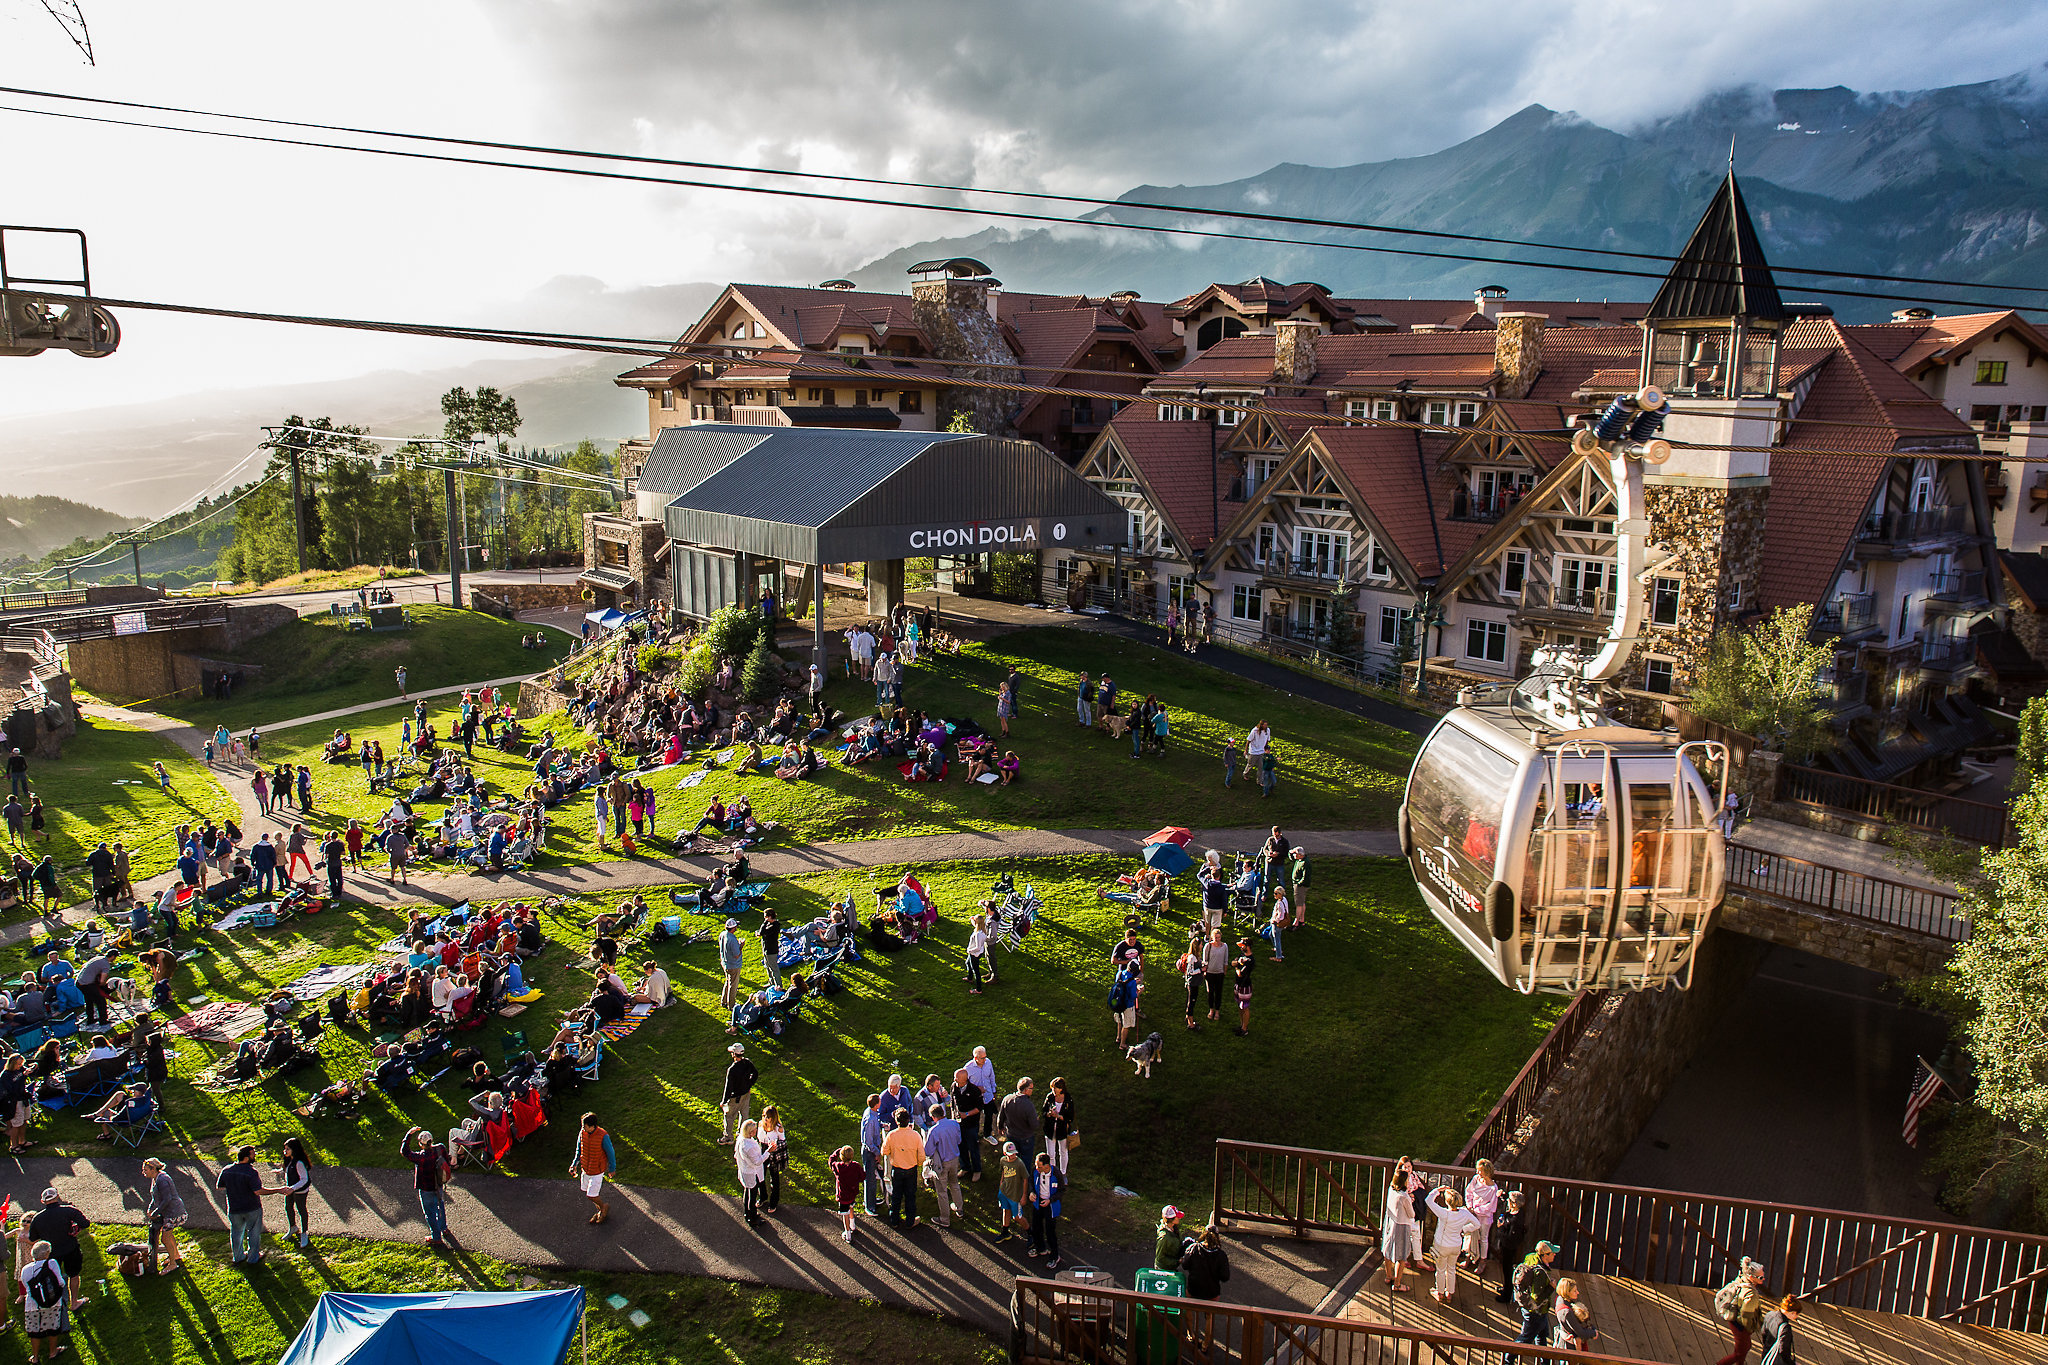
(1942, 182)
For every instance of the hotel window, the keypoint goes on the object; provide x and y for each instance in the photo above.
(1244, 602)
(1135, 522)
(860, 398)
(1230, 414)
(1394, 623)
(851, 350)
(1657, 676)
(1323, 554)
(1664, 601)
(1358, 409)
(1514, 571)
(1377, 565)
(912, 400)
(1180, 589)
(1991, 372)
(1436, 413)
(1256, 473)
(1265, 546)
(1178, 412)
(1486, 641)
(668, 399)
(1383, 410)
(1063, 571)
(1468, 413)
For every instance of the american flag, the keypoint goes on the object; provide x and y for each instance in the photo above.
(1927, 1084)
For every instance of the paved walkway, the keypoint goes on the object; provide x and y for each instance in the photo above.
(961, 1274)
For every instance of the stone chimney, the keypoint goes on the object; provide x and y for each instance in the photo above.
(1294, 351)
(957, 317)
(1517, 353)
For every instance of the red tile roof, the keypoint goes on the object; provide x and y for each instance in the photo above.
(1177, 461)
(1262, 297)
(1404, 491)
(1052, 341)
(1911, 344)
(1462, 313)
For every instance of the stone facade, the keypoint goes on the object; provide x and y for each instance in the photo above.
(162, 663)
(1717, 535)
(1597, 1105)
(1894, 952)
(1517, 353)
(1294, 351)
(954, 315)
(629, 545)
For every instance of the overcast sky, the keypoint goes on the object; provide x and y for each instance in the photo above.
(1060, 94)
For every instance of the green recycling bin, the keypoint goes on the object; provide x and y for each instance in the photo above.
(1155, 1329)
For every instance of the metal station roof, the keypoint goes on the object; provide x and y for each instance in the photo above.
(816, 495)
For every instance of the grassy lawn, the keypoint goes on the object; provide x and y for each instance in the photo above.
(314, 665)
(216, 1314)
(102, 788)
(1336, 771)
(1364, 984)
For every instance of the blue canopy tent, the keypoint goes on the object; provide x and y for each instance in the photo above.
(461, 1327)
(609, 618)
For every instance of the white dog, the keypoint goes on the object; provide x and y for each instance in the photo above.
(1144, 1054)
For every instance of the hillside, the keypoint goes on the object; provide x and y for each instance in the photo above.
(1941, 182)
(33, 526)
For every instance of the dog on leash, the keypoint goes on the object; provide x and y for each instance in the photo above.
(1145, 1054)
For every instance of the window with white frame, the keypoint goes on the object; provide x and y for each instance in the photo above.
(1395, 623)
(1377, 563)
(1358, 409)
(1231, 413)
(1311, 617)
(668, 399)
(1180, 589)
(1178, 412)
(1657, 675)
(1583, 582)
(1063, 571)
(1257, 472)
(1514, 572)
(1266, 545)
(1383, 410)
(1664, 594)
(1437, 412)
(1135, 522)
(1926, 491)
(1467, 414)
(1486, 641)
(1244, 602)
(1325, 554)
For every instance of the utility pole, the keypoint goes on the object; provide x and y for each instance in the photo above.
(298, 515)
(454, 564)
(135, 546)
(461, 495)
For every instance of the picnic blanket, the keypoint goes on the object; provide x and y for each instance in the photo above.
(614, 1032)
(236, 918)
(321, 980)
(694, 778)
(222, 1021)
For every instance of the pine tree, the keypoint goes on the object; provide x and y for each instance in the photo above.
(762, 677)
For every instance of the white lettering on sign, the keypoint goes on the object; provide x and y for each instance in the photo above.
(1444, 875)
(972, 535)
(1059, 530)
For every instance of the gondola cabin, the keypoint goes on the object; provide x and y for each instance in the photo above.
(1565, 861)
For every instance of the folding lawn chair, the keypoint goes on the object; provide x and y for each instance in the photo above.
(477, 1154)
(588, 1070)
(141, 1121)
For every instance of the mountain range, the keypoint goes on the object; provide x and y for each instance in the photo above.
(1944, 183)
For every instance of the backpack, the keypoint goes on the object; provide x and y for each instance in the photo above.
(47, 1288)
(1728, 1301)
(447, 1166)
(1525, 1286)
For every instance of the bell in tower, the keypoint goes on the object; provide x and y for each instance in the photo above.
(1714, 329)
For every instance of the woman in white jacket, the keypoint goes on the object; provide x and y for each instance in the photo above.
(752, 1160)
(1401, 1240)
(1453, 1222)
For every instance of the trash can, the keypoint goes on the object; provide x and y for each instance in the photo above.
(1156, 1330)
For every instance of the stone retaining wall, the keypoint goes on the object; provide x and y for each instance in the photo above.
(531, 596)
(1895, 952)
(1596, 1106)
(538, 698)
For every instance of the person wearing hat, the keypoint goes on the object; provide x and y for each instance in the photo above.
(166, 1214)
(738, 1096)
(1535, 1296)
(731, 958)
(17, 774)
(1173, 1240)
(59, 1224)
(1740, 1307)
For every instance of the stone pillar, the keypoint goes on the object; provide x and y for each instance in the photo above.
(1294, 351)
(885, 586)
(1517, 352)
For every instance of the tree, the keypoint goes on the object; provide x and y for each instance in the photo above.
(963, 424)
(483, 413)
(1343, 629)
(1771, 681)
(762, 677)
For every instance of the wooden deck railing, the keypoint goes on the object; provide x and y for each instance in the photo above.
(1054, 1321)
(1838, 891)
(1978, 822)
(1979, 1276)
(1499, 1127)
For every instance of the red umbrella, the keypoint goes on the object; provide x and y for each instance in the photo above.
(1172, 834)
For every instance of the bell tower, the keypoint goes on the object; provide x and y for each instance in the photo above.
(1711, 340)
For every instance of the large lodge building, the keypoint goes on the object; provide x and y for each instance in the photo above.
(1288, 457)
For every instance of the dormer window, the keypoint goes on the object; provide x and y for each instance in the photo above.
(1231, 413)
(1467, 414)
(1437, 413)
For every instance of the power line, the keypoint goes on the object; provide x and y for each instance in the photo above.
(1014, 215)
(1246, 215)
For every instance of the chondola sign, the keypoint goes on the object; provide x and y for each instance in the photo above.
(984, 535)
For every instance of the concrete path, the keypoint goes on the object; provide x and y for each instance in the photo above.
(428, 693)
(960, 1273)
(1838, 851)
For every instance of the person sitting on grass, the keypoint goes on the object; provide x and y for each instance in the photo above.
(928, 765)
(1010, 767)
(799, 762)
(981, 760)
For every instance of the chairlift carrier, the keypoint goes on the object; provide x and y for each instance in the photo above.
(1567, 853)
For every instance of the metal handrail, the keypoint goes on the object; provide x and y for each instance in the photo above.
(1979, 822)
(1944, 1271)
(1839, 891)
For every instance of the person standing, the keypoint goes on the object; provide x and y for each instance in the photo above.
(332, 852)
(600, 820)
(1276, 923)
(1739, 1305)
(1401, 1237)
(1205, 1266)
(774, 1140)
(430, 1171)
(1215, 954)
(732, 959)
(1269, 772)
(1298, 860)
(771, 946)
(943, 1143)
(871, 1156)
(397, 847)
(1084, 702)
(737, 1099)
(354, 842)
(166, 1214)
(1572, 1324)
(399, 674)
(747, 1157)
(977, 953)
(1535, 1296)
(968, 1107)
(1171, 1242)
(295, 1176)
(1018, 1119)
(17, 774)
(847, 1178)
(1241, 968)
(263, 859)
(1123, 1003)
(242, 1184)
(1454, 1222)
(1510, 1235)
(305, 792)
(1012, 1183)
(1061, 1124)
(1006, 705)
(59, 1224)
(1482, 1201)
(1043, 1193)
(1777, 1337)
(93, 978)
(296, 853)
(44, 1314)
(904, 1151)
(595, 1160)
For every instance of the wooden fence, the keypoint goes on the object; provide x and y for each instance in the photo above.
(1978, 1276)
(1058, 1321)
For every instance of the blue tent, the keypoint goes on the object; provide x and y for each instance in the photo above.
(460, 1327)
(605, 619)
